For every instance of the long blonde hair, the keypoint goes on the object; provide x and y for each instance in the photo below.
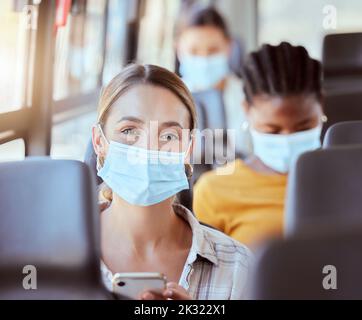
(129, 77)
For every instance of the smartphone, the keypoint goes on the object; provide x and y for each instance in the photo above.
(134, 283)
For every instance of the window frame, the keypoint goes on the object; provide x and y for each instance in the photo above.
(34, 123)
(22, 121)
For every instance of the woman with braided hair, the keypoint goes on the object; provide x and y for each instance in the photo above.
(282, 86)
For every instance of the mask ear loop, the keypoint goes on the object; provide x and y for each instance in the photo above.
(99, 165)
(188, 167)
(102, 133)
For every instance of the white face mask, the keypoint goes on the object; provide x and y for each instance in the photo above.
(203, 73)
(280, 151)
(143, 177)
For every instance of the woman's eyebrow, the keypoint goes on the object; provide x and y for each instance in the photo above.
(271, 125)
(134, 119)
(305, 121)
(171, 124)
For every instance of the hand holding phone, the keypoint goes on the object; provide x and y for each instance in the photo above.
(133, 284)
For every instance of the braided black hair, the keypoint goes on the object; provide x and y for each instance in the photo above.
(281, 70)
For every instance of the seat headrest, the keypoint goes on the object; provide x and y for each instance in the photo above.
(324, 184)
(344, 133)
(299, 267)
(49, 214)
(342, 54)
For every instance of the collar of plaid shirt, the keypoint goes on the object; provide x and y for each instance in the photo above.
(202, 250)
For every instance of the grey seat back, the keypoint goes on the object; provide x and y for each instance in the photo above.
(211, 116)
(90, 159)
(341, 107)
(342, 54)
(237, 56)
(49, 220)
(324, 184)
(213, 109)
(344, 133)
(311, 267)
(342, 68)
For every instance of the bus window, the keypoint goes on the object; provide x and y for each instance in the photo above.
(274, 16)
(78, 74)
(12, 150)
(116, 39)
(17, 35)
(158, 47)
(70, 137)
(79, 50)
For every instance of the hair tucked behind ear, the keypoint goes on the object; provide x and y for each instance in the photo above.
(281, 71)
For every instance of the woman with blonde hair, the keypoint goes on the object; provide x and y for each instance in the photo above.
(143, 153)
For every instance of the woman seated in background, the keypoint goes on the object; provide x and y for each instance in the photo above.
(203, 46)
(142, 152)
(282, 85)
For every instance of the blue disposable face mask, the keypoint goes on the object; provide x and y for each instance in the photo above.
(143, 177)
(203, 73)
(280, 151)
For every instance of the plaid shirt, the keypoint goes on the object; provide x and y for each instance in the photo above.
(217, 267)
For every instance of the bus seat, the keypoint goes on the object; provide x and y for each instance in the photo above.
(324, 184)
(340, 107)
(342, 55)
(306, 267)
(237, 54)
(90, 159)
(213, 109)
(212, 115)
(344, 133)
(49, 220)
(342, 83)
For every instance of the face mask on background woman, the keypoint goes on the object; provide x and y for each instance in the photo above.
(203, 72)
(280, 151)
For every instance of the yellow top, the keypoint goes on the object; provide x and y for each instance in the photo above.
(245, 204)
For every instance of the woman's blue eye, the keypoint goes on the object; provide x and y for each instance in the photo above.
(129, 131)
(169, 137)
